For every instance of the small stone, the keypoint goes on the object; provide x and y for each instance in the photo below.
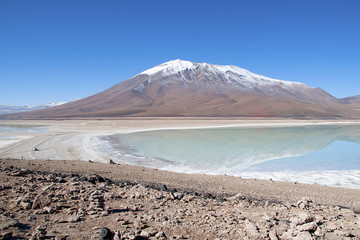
(304, 203)
(105, 233)
(48, 210)
(307, 227)
(267, 218)
(117, 235)
(140, 238)
(145, 233)
(25, 205)
(40, 232)
(104, 213)
(302, 218)
(303, 236)
(41, 200)
(73, 219)
(160, 235)
(273, 235)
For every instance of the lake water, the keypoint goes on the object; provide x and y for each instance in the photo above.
(328, 155)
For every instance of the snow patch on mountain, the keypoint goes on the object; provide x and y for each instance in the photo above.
(171, 67)
(229, 73)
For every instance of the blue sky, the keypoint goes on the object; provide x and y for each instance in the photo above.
(53, 51)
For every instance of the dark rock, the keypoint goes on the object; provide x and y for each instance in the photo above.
(83, 179)
(7, 235)
(96, 178)
(140, 238)
(92, 180)
(100, 178)
(164, 188)
(105, 233)
(62, 180)
(63, 238)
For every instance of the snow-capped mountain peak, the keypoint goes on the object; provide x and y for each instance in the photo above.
(192, 75)
(170, 67)
(229, 73)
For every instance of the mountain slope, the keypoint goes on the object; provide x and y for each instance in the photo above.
(182, 88)
(353, 99)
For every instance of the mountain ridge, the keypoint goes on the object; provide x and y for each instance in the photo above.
(182, 88)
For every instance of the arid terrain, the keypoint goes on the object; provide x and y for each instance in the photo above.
(82, 200)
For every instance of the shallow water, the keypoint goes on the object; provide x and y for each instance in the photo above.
(21, 129)
(312, 154)
(10, 134)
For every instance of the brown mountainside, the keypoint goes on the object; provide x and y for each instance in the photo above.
(182, 88)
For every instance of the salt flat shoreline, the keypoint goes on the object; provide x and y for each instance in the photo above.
(71, 140)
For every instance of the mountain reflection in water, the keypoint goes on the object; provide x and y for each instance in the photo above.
(229, 150)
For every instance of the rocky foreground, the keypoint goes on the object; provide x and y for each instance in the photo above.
(49, 205)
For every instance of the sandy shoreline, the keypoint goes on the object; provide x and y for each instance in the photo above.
(76, 139)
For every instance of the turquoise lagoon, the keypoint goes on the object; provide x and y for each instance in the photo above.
(322, 154)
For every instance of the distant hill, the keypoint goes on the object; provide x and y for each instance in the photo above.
(183, 88)
(7, 109)
(354, 99)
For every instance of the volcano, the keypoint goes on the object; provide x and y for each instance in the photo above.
(187, 89)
